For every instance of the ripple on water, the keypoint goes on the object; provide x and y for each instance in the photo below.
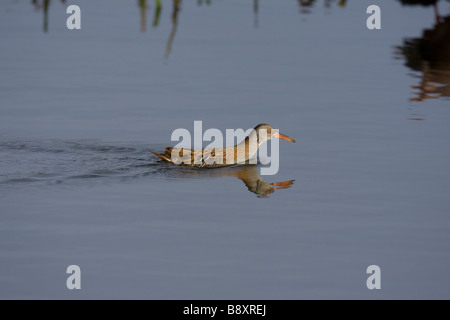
(35, 162)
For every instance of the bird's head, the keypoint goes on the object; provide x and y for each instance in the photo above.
(265, 132)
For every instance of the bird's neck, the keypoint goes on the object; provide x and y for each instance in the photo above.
(248, 148)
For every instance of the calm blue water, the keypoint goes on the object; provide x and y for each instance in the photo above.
(80, 111)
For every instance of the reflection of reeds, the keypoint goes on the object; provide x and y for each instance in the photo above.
(200, 2)
(44, 5)
(158, 8)
(176, 8)
(143, 7)
(255, 13)
(143, 11)
(306, 5)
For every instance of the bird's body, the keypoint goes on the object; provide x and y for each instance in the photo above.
(201, 157)
(242, 153)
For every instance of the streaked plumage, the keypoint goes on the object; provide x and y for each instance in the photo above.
(243, 152)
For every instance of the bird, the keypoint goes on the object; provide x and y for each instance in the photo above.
(241, 153)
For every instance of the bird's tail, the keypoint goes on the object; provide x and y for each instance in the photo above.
(162, 156)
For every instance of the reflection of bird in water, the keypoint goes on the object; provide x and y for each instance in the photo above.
(176, 8)
(430, 55)
(248, 174)
(219, 157)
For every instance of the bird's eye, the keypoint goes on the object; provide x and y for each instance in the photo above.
(268, 130)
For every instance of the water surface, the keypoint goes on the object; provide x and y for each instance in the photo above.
(80, 111)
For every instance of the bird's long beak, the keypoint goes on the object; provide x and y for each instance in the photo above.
(282, 136)
(283, 185)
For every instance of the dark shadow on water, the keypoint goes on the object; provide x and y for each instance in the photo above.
(430, 56)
